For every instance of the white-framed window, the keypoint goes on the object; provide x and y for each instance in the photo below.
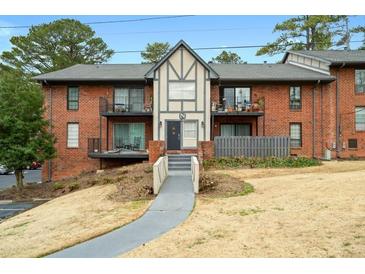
(73, 135)
(295, 134)
(360, 80)
(360, 118)
(190, 130)
(182, 90)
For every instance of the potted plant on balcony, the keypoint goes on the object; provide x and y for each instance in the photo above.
(214, 106)
(261, 103)
(255, 107)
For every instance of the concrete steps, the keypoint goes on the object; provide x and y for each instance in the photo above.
(179, 162)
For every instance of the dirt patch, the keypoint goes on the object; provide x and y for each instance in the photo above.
(217, 185)
(306, 212)
(134, 182)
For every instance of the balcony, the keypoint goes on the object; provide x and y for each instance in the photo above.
(133, 108)
(123, 150)
(245, 109)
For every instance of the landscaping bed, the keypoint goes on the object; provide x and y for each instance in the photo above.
(271, 162)
(222, 185)
(134, 182)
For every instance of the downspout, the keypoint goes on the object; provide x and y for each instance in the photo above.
(50, 102)
(314, 119)
(313, 122)
(338, 111)
(321, 103)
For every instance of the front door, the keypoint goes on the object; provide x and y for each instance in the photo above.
(173, 135)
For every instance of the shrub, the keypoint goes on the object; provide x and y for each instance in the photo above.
(57, 186)
(73, 186)
(270, 162)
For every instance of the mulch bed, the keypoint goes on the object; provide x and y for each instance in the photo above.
(219, 185)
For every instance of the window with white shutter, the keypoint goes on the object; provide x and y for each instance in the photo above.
(73, 135)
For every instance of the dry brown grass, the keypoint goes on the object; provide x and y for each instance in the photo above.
(67, 220)
(307, 212)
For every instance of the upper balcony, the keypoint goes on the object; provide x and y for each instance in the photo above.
(240, 109)
(131, 108)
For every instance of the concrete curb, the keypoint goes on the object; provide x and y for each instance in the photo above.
(2, 202)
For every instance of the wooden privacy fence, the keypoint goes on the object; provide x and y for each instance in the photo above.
(252, 146)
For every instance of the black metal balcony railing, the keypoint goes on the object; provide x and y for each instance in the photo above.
(244, 107)
(93, 145)
(132, 107)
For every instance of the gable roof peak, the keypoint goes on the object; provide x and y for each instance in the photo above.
(172, 51)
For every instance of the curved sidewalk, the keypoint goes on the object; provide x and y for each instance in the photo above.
(171, 207)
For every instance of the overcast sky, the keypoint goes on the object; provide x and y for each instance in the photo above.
(197, 31)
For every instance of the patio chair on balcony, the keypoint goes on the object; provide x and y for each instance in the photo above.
(136, 143)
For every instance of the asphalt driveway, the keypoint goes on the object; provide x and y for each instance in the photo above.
(30, 176)
(9, 209)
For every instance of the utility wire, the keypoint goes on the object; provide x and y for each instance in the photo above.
(111, 22)
(228, 47)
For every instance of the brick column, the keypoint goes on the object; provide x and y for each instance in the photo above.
(155, 150)
(205, 150)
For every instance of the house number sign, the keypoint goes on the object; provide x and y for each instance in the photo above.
(182, 116)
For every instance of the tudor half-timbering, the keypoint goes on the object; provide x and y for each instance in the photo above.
(181, 92)
(111, 114)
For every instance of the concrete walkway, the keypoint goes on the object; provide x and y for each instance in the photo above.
(171, 207)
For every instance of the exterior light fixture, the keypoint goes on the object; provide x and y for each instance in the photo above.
(202, 123)
(160, 123)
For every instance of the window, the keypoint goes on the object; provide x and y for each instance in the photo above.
(352, 143)
(236, 96)
(235, 129)
(129, 136)
(295, 135)
(360, 80)
(73, 135)
(360, 118)
(73, 98)
(190, 130)
(295, 98)
(128, 99)
(182, 90)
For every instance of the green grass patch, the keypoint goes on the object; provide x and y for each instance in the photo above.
(271, 162)
(250, 211)
(247, 189)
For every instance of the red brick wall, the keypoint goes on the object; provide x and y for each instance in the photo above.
(277, 114)
(348, 100)
(73, 161)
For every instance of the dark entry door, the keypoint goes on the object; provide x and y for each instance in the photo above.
(173, 135)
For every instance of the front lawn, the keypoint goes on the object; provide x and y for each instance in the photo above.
(94, 205)
(314, 211)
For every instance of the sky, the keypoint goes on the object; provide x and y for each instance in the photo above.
(197, 31)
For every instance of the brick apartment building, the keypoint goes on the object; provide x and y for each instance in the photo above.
(105, 115)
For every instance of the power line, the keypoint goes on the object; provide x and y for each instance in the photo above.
(226, 47)
(112, 21)
(181, 30)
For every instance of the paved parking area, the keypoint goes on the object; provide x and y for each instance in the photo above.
(7, 181)
(9, 209)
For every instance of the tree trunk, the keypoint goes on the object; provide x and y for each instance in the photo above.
(19, 179)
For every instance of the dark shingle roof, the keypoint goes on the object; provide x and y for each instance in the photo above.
(104, 72)
(268, 72)
(243, 72)
(335, 57)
